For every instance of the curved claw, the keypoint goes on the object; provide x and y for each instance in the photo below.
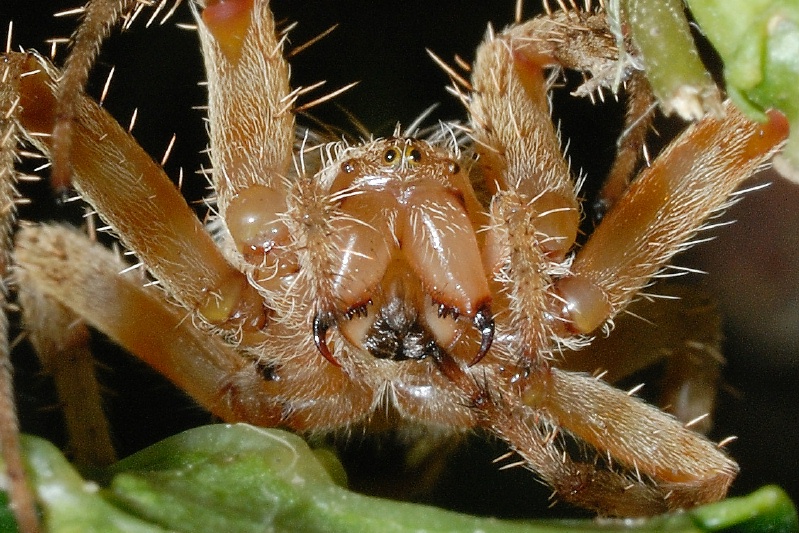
(321, 323)
(483, 321)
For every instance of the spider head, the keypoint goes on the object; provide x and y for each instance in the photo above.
(408, 278)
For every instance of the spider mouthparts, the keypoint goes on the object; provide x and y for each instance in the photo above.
(321, 323)
(445, 311)
(483, 321)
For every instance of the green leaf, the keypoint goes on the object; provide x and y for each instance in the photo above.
(758, 40)
(671, 61)
(242, 479)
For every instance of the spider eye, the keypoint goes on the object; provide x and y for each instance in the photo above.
(413, 155)
(392, 155)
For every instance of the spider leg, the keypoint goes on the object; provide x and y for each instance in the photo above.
(98, 286)
(246, 72)
(657, 464)
(87, 278)
(665, 206)
(536, 436)
(251, 126)
(251, 122)
(660, 212)
(667, 466)
(677, 324)
(637, 122)
(252, 134)
(20, 494)
(276, 221)
(99, 16)
(61, 341)
(152, 219)
(139, 201)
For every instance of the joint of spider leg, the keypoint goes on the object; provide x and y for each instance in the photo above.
(583, 305)
(251, 322)
(556, 219)
(599, 208)
(253, 218)
(235, 304)
(62, 195)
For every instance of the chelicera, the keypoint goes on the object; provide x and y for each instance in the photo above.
(410, 271)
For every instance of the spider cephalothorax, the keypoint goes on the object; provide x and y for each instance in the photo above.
(440, 280)
(404, 257)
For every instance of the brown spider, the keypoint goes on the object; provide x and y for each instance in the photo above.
(438, 281)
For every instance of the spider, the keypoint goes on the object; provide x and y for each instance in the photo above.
(436, 281)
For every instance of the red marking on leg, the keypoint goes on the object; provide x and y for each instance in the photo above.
(228, 21)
